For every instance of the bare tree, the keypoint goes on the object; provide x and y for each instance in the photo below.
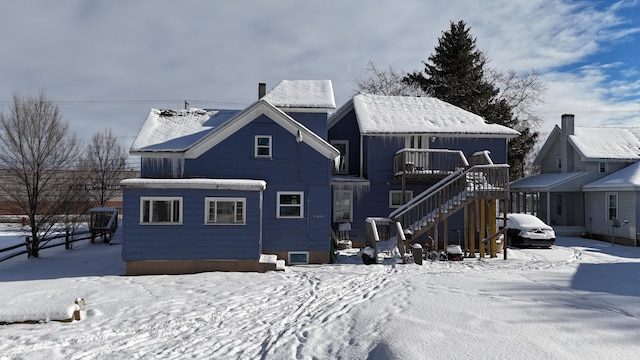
(386, 82)
(38, 156)
(521, 92)
(104, 162)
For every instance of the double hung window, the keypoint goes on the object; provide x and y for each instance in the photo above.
(161, 210)
(290, 204)
(225, 211)
(263, 146)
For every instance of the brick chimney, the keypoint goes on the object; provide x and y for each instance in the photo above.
(262, 90)
(567, 129)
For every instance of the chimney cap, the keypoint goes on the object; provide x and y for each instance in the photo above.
(262, 90)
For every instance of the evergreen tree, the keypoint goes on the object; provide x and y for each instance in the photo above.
(455, 73)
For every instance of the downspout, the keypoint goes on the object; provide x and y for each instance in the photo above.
(361, 156)
(260, 224)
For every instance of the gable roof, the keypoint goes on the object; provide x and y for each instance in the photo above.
(606, 143)
(192, 132)
(597, 143)
(626, 179)
(381, 115)
(262, 107)
(176, 130)
(302, 95)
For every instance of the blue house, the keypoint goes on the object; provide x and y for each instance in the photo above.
(403, 157)
(233, 190)
(238, 189)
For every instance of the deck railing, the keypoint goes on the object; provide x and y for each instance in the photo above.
(422, 162)
(452, 193)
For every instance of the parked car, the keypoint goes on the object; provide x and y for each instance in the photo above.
(527, 230)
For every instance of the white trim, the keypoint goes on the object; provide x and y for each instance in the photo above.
(212, 184)
(251, 113)
(153, 199)
(305, 253)
(300, 205)
(257, 146)
(315, 110)
(207, 208)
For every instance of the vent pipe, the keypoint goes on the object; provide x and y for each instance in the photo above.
(262, 90)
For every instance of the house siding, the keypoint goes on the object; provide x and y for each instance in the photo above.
(192, 240)
(379, 153)
(316, 122)
(347, 129)
(548, 163)
(293, 167)
(596, 213)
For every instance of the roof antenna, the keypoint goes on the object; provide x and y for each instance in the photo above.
(186, 104)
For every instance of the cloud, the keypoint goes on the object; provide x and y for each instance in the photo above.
(117, 59)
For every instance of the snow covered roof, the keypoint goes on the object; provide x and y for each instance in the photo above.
(262, 107)
(302, 94)
(177, 130)
(216, 184)
(626, 179)
(545, 182)
(192, 132)
(379, 114)
(607, 143)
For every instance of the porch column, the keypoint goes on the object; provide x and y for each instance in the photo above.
(548, 207)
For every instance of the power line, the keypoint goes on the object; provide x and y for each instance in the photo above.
(135, 102)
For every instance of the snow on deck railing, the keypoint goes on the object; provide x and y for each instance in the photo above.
(428, 161)
(485, 180)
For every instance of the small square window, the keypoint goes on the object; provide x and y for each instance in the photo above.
(290, 204)
(298, 257)
(263, 146)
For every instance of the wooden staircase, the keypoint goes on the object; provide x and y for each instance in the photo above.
(449, 195)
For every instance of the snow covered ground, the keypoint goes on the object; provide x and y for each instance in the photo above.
(578, 300)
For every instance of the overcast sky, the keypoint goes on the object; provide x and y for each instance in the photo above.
(106, 63)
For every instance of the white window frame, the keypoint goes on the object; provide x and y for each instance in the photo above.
(207, 210)
(300, 205)
(335, 198)
(602, 167)
(408, 195)
(297, 253)
(257, 146)
(608, 205)
(174, 220)
(343, 167)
